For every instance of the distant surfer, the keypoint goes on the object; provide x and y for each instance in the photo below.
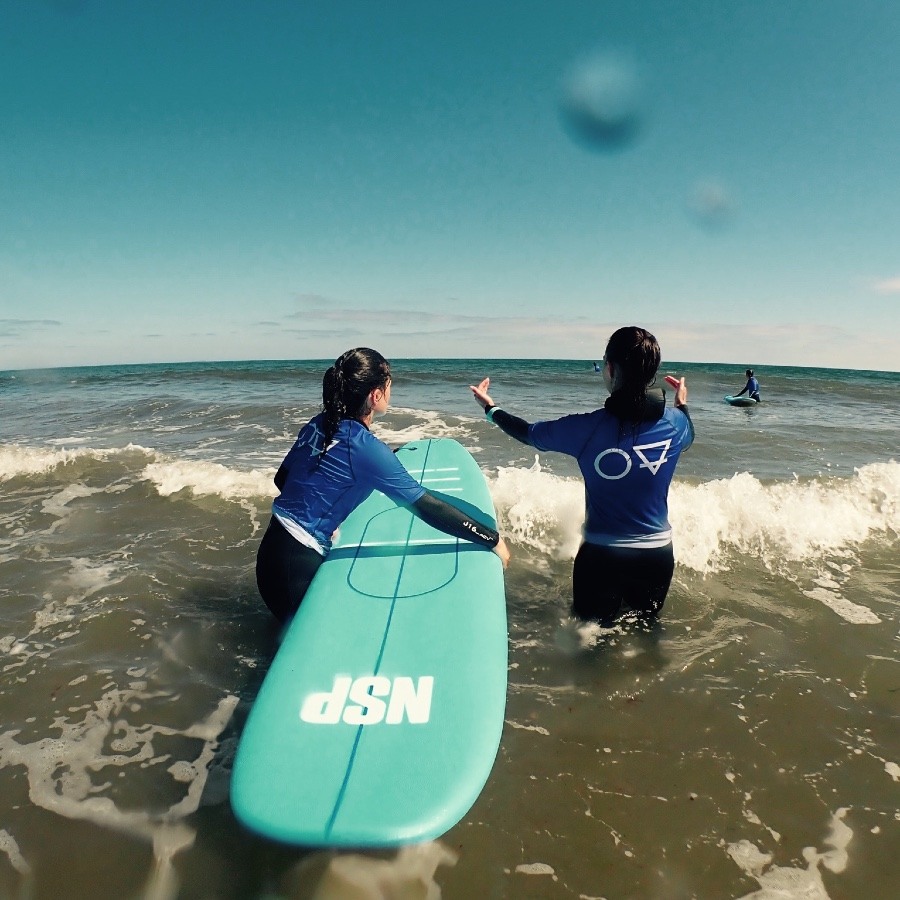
(627, 452)
(333, 466)
(751, 388)
(598, 367)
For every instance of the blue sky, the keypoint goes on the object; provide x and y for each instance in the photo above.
(285, 179)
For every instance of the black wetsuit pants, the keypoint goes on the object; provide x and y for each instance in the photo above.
(607, 581)
(284, 569)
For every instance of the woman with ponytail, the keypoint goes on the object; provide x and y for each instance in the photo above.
(333, 466)
(627, 452)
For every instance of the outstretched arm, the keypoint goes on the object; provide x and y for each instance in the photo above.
(512, 425)
(447, 518)
(681, 403)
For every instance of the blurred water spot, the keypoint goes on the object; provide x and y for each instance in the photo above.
(711, 204)
(600, 102)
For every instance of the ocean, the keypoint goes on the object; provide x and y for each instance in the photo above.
(746, 746)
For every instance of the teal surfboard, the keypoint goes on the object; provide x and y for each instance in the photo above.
(739, 401)
(380, 718)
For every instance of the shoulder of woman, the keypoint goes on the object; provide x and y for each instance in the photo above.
(363, 437)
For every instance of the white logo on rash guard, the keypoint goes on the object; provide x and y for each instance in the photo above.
(315, 440)
(648, 464)
(359, 701)
(653, 465)
(621, 474)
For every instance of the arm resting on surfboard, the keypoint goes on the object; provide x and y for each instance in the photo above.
(455, 522)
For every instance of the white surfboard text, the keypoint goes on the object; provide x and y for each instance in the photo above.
(370, 700)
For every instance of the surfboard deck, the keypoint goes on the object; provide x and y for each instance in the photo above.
(380, 718)
(739, 401)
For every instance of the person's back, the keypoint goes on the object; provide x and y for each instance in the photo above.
(627, 469)
(627, 452)
(321, 489)
(751, 388)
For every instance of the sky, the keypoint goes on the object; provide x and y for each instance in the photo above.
(282, 179)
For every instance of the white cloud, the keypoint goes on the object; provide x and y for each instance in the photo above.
(321, 328)
(887, 286)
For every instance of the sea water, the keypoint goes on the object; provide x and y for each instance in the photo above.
(748, 745)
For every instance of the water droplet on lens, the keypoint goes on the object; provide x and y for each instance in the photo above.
(711, 204)
(600, 102)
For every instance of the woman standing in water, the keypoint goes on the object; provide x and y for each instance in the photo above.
(333, 466)
(627, 452)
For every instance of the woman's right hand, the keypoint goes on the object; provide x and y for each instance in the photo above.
(502, 551)
(482, 398)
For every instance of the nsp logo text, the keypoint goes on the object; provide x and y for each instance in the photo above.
(370, 700)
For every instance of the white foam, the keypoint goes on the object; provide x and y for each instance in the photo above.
(432, 425)
(794, 521)
(846, 609)
(18, 459)
(518, 725)
(9, 846)
(410, 874)
(812, 524)
(59, 774)
(717, 520)
(169, 476)
(539, 509)
(788, 883)
(535, 869)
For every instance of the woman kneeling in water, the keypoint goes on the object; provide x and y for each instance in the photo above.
(627, 452)
(333, 466)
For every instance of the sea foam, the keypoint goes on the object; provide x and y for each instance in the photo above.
(785, 521)
(714, 521)
(20, 460)
(169, 476)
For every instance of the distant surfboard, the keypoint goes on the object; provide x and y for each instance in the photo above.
(740, 401)
(380, 718)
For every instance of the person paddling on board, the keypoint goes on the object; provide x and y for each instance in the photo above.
(751, 388)
(627, 452)
(333, 466)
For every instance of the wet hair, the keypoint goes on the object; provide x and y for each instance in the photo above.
(347, 384)
(635, 354)
(749, 373)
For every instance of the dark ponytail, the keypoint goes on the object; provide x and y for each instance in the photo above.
(636, 356)
(347, 384)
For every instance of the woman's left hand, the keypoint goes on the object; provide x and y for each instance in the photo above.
(680, 390)
(482, 398)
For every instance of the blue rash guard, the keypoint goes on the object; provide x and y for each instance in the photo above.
(627, 469)
(319, 492)
(752, 388)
